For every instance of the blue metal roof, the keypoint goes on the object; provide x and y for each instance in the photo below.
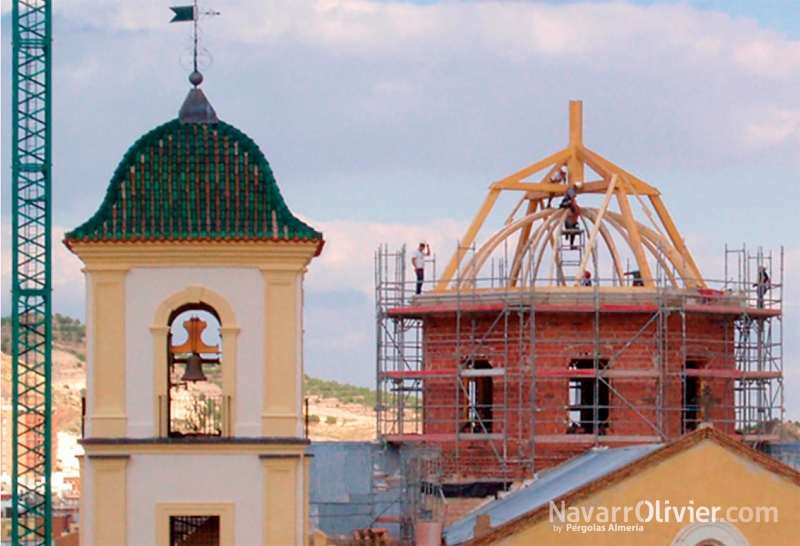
(786, 452)
(341, 490)
(548, 486)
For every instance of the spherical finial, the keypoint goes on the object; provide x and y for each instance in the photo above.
(195, 78)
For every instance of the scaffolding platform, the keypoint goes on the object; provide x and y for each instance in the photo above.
(508, 380)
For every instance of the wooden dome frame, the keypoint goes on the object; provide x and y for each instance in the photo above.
(539, 227)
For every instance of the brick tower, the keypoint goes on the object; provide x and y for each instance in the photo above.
(574, 325)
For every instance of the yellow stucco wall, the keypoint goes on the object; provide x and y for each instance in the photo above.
(107, 412)
(707, 474)
(110, 507)
(285, 483)
(282, 411)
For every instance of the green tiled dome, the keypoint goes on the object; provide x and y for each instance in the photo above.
(193, 182)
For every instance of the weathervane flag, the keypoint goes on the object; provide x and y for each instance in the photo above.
(183, 13)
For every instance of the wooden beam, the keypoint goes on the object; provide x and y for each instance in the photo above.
(558, 157)
(633, 235)
(677, 242)
(642, 187)
(647, 212)
(596, 228)
(535, 239)
(658, 246)
(466, 242)
(599, 186)
(521, 242)
(482, 254)
(575, 169)
(591, 214)
(530, 187)
(575, 123)
(510, 217)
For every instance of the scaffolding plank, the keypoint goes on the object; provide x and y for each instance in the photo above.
(398, 438)
(421, 374)
(591, 439)
(734, 374)
(417, 374)
(416, 310)
(602, 373)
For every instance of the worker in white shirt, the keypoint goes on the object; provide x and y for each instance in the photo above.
(558, 177)
(418, 260)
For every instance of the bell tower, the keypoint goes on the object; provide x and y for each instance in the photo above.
(194, 272)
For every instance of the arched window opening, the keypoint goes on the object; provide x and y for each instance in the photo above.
(195, 405)
(478, 399)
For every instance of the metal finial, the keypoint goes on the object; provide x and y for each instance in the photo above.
(192, 13)
(195, 78)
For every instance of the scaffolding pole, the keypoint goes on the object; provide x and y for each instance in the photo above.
(648, 370)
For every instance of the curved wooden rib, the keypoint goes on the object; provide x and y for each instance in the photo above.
(591, 214)
(656, 245)
(476, 262)
(555, 224)
(616, 222)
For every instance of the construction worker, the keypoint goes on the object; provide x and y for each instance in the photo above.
(558, 177)
(571, 228)
(637, 277)
(587, 279)
(418, 261)
(568, 202)
(762, 285)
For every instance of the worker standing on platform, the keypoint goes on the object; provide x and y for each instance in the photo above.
(418, 261)
(762, 285)
(571, 221)
(587, 279)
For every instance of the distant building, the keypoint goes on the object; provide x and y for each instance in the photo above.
(194, 269)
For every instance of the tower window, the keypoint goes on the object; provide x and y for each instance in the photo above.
(194, 531)
(478, 401)
(195, 405)
(588, 399)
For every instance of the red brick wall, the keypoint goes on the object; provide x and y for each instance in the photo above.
(630, 341)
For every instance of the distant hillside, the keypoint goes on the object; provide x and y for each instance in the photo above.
(69, 334)
(348, 394)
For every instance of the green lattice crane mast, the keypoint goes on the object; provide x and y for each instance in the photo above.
(31, 266)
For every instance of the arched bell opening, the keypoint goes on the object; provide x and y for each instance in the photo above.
(195, 402)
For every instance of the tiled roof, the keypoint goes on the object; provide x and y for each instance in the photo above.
(193, 182)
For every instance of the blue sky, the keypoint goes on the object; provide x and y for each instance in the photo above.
(385, 122)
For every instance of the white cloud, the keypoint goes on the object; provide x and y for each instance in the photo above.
(774, 126)
(768, 58)
(348, 259)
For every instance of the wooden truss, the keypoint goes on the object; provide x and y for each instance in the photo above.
(533, 227)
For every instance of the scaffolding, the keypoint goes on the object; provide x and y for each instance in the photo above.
(507, 380)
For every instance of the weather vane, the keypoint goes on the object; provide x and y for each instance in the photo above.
(193, 14)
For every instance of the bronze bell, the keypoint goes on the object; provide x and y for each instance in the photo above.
(194, 369)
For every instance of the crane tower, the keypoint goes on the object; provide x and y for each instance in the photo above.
(31, 272)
